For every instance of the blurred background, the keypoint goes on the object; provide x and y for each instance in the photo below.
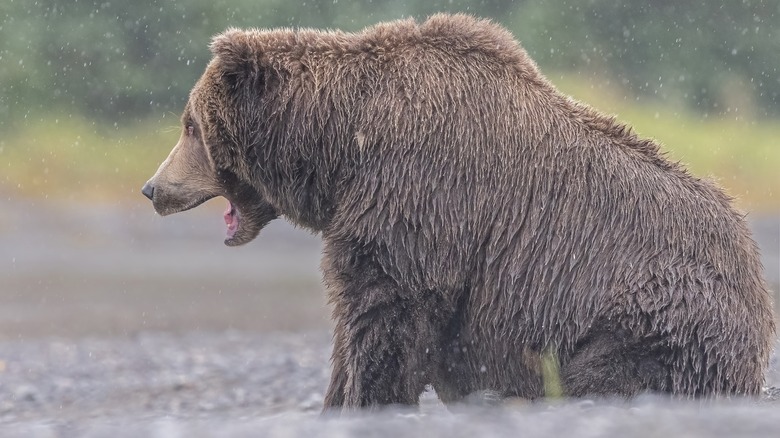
(91, 91)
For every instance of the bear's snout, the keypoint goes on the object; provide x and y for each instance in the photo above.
(148, 191)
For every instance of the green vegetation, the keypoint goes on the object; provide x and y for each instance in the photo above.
(551, 375)
(113, 60)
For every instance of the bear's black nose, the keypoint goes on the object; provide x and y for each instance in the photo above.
(148, 191)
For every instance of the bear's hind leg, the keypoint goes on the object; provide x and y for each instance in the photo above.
(608, 365)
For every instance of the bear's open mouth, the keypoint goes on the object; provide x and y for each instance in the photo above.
(246, 214)
(232, 220)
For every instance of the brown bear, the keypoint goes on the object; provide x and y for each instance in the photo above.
(475, 220)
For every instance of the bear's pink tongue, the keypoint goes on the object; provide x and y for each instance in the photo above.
(231, 220)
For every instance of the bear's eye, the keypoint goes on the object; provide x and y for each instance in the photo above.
(190, 128)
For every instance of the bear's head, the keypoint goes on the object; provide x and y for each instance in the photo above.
(209, 160)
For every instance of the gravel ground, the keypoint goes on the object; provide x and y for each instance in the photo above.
(162, 374)
(241, 384)
(115, 322)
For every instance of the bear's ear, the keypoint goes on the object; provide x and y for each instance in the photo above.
(238, 56)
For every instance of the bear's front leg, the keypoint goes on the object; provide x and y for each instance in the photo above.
(388, 351)
(387, 340)
(334, 398)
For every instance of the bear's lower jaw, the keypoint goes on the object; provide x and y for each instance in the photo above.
(245, 223)
(242, 235)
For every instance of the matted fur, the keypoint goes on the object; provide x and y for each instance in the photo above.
(474, 218)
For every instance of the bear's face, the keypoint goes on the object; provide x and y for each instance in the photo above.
(190, 176)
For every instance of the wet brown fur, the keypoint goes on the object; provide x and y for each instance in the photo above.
(475, 218)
